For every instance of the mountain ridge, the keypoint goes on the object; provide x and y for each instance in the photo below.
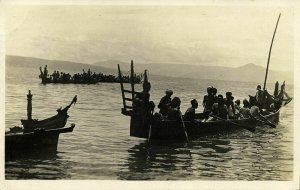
(249, 72)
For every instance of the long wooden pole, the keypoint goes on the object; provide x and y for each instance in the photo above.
(183, 125)
(29, 105)
(266, 75)
(122, 87)
(132, 79)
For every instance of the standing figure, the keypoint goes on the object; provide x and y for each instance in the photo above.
(208, 101)
(276, 89)
(230, 105)
(45, 71)
(259, 96)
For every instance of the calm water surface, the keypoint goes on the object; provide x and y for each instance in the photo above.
(100, 146)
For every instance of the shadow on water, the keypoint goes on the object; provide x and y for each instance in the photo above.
(24, 154)
(164, 158)
(36, 164)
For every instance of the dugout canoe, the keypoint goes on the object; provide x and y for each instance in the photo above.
(146, 125)
(36, 134)
(38, 138)
(171, 129)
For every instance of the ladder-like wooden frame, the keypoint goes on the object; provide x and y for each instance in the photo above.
(127, 110)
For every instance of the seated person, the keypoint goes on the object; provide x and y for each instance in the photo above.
(190, 112)
(174, 109)
(237, 107)
(165, 102)
(245, 110)
(219, 109)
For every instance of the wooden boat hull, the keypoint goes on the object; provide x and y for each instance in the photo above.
(39, 138)
(54, 122)
(57, 121)
(166, 129)
(48, 81)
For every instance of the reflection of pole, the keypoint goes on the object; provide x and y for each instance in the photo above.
(29, 106)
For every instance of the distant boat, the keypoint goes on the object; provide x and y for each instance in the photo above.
(84, 78)
(35, 134)
(146, 125)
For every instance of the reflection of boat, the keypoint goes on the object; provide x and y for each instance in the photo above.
(37, 161)
(143, 161)
(38, 134)
(174, 158)
(144, 124)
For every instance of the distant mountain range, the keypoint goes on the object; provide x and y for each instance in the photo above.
(249, 72)
(62, 66)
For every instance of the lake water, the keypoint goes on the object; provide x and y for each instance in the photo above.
(100, 146)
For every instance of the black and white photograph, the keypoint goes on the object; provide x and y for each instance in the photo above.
(150, 92)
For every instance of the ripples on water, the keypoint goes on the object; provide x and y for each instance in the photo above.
(100, 146)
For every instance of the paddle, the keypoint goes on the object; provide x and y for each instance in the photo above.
(149, 136)
(183, 125)
(251, 129)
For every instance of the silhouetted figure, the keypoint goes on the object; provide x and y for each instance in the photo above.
(191, 112)
(276, 89)
(259, 96)
(165, 102)
(174, 109)
(45, 71)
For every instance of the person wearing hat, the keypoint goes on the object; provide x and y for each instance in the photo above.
(220, 109)
(165, 102)
(190, 112)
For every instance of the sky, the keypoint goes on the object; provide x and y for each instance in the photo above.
(206, 35)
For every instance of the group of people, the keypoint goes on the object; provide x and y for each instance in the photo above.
(217, 107)
(212, 104)
(84, 77)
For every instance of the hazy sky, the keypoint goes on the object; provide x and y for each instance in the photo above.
(205, 35)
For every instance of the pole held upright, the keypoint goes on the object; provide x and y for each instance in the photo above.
(267, 69)
(29, 105)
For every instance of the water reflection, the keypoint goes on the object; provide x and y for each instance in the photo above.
(168, 159)
(37, 164)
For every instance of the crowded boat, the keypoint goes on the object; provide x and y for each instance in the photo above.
(217, 106)
(86, 77)
(221, 112)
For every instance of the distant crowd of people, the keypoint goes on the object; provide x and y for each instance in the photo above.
(214, 106)
(84, 77)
